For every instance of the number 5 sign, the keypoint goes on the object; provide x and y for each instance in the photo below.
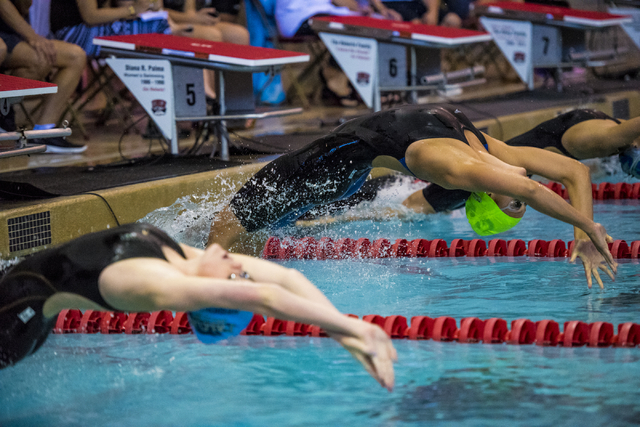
(163, 90)
(188, 87)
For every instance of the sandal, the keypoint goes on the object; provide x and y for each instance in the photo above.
(332, 98)
(390, 100)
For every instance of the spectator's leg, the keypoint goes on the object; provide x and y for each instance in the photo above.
(25, 62)
(3, 52)
(451, 20)
(208, 32)
(233, 33)
(70, 62)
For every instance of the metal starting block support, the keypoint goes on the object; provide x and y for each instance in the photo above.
(22, 146)
(379, 55)
(533, 36)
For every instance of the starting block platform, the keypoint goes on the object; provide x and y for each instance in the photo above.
(16, 88)
(534, 36)
(164, 73)
(381, 55)
(13, 90)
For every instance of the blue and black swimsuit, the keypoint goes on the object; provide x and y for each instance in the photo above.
(334, 167)
(73, 267)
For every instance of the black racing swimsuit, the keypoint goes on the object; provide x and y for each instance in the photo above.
(73, 267)
(549, 134)
(336, 166)
(546, 134)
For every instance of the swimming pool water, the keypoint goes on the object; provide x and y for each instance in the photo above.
(116, 380)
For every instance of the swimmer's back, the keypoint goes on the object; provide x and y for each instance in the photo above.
(390, 132)
(549, 134)
(73, 267)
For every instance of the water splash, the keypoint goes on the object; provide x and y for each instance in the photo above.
(5, 264)
(189, 218)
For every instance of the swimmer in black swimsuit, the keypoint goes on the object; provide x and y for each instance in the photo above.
(438, 144)
(580, 134)
(137, 267)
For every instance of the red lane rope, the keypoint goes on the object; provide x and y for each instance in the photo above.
(472, 329)
(603, 191)
(327, 248)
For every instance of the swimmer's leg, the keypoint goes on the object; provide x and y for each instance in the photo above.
(417, 202)
(228, 232)
(600, 138)
(225, 229)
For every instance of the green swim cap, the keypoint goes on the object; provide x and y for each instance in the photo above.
(485, 217)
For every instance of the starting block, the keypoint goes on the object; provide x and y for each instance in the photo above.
(534, 36)
(12, 91)
(164, 73)
(381, 55)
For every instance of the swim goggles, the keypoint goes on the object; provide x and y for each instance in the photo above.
(630, 161)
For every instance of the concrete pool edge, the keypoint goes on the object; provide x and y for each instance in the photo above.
(35, 225)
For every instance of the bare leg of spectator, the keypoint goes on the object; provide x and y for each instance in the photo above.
(70, 62)
(451, 20)
(3, 52)
(220, 32)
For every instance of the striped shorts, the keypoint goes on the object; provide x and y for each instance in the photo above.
(83, 35)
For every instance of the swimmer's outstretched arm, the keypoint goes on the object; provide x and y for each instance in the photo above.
(266, 271)
(145, 284)
(290, 279)
(295, 282)
(478, 176)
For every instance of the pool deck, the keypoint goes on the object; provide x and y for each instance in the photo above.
(501, 112)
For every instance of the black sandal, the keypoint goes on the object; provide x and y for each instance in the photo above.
(332, 98)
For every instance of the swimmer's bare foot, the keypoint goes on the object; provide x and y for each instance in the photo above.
(373, 349)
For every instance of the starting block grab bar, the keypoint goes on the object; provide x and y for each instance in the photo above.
(22, 147)
(35, 134)
(598, 55)
(452, 76)
(452, 79)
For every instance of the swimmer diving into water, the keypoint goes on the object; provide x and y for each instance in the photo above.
(580, 134)
(435, 143)
(137, 267)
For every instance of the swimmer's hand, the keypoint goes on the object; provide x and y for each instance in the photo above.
(594, 254)
(373, 349)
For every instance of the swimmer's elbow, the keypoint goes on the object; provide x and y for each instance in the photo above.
(291, 275)
(529, 191)
(579, 173)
